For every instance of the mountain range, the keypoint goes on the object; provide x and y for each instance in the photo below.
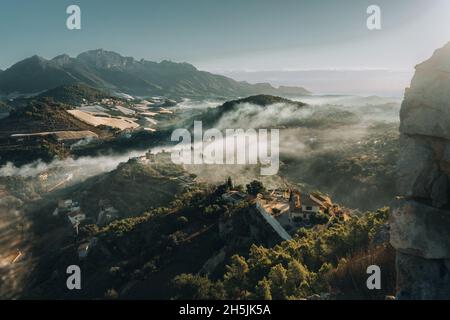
(110, 71)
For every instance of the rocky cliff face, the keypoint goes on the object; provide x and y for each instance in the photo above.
(420, 218)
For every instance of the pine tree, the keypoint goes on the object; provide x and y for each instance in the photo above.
(263, 290)
(229, 183)
(278, 278)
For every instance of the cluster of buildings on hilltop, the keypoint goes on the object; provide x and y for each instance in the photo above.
(287, 208)
(304, 206)
(147, 158)
(72, 210)
(75, 216)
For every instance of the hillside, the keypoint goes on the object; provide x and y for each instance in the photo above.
(233, 254)
(320, 263)
(110, 71)
(139, 256)
(259, 100)
(134, 186)
(238, 108)
(74, 94)
(59, 110)
(358, 174)
(38, 116)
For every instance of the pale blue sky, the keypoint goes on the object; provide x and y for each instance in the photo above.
(234, 34)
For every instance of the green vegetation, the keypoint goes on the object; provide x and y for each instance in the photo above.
(329, 118)
(139, 256)
(359, 175)
(134, 187)
(74, 94)
(188, 286)
(259, 100)
(38, 116)
(200, 247)
(255, 187)
(320, 260)
(213, 115)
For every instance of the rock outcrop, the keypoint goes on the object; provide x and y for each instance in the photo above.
(420, 218)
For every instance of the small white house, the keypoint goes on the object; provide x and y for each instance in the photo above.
(304, 205)
(309, 205)
(76, 217)
(65, 204)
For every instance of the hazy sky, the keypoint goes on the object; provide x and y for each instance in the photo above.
(234, 34)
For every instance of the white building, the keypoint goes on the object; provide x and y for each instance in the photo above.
(304, 205)
(76, 217)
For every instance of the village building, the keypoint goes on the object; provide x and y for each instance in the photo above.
(106, 215)
(67, 204)
(76, 217)
(72, 210)
(266, 212)
(304, 206)
(292, 208)
(287, 209)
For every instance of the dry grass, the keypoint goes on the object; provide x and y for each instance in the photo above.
(120, 123)
(348, 280)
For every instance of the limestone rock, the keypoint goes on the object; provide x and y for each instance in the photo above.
(417, 169)
(439, 191)
(446, 153)
(420, 230)
(425, 110)
(422, 279)
(420, 223)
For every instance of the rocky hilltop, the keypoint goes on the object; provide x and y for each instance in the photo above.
(420, 218)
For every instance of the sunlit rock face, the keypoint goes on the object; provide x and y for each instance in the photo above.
(420, 218)
(425, 110)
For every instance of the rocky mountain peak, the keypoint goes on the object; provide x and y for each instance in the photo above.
(104, 59)
(62, 60)
(142, 78)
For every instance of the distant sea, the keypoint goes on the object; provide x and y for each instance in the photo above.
(384, 83)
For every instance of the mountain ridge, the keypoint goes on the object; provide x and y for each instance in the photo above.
(108, 70)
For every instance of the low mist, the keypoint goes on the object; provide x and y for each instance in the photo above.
(82, 167)
(327, 126)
